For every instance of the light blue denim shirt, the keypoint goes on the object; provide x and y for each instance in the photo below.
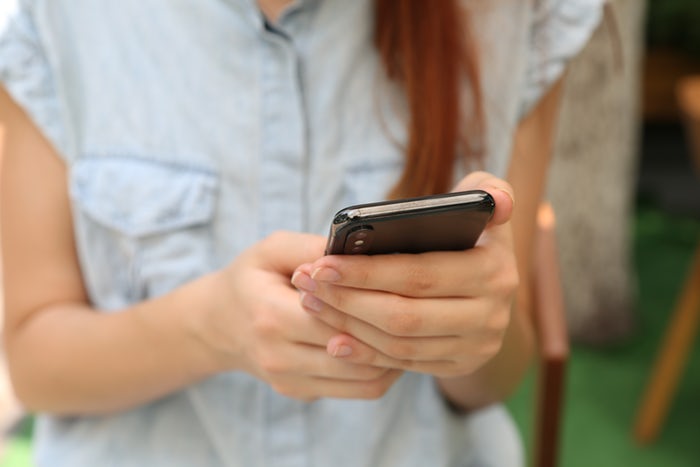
(191, 129)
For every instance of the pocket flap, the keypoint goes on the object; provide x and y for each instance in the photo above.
(143, 197)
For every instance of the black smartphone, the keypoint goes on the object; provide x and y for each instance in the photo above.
(452, 221)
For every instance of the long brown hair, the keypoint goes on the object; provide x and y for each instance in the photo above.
(424, 47)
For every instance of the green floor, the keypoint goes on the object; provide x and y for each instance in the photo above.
(604, 386)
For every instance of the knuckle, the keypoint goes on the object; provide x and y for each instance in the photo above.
(367, 358)
(265, 325)
(473, 179)
(271, 364)
(376, 389)
(451, 350)
(268, 244)
(498, 321)
(503, 321)
(401, 322)
(400, 349)
(491, 347)
(363, 276)
(275, 238)
(418, 279)
(399, 319)
(509, 279)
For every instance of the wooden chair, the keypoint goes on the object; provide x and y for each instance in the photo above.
(683, 326)
(552, 342)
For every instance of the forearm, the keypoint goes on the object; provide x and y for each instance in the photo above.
(70, 359)
(498, 378)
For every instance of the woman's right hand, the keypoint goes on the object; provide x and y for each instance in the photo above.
(254, 323)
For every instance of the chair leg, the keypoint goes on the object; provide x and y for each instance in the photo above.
(550, 409)
(549, 318)
(671, 359)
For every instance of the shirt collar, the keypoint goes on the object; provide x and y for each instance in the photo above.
(252, 10)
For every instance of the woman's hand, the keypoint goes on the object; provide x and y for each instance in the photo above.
(255, 324)
(442, 313)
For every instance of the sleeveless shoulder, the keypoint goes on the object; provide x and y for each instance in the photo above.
(559, 30)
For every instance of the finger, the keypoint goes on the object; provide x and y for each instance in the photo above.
(290, 321)
(499, 230)
(373, 343)
(435, 274)
(499, 189)
(314, 361)
(361, 353)
(341, 307)
(312, 388)
(284, 251)
(301, 278)
(372, 389)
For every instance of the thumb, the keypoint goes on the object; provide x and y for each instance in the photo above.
(499, 189)
(284, 251)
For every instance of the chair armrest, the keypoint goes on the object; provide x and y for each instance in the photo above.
(548, 311)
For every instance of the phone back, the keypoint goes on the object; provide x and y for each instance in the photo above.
(422, 227)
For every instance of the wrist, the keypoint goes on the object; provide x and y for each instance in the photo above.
(210, 345)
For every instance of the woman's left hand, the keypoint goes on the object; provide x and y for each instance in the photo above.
(442, 313)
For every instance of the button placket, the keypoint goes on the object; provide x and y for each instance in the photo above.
(283, 145)
(282, 169)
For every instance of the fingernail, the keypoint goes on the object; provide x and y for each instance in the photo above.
(325, 274)
(512, 199)
(342, 351)
(302, 281)
(310, 302)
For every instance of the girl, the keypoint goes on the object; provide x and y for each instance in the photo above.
(169, 174)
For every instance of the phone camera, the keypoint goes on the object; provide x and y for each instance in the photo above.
(359, 240)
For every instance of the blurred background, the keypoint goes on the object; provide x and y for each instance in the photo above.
(625, 185)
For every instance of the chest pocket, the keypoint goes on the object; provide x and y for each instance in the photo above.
(143, 227)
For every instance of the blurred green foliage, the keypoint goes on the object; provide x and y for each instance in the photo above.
(674, 23)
